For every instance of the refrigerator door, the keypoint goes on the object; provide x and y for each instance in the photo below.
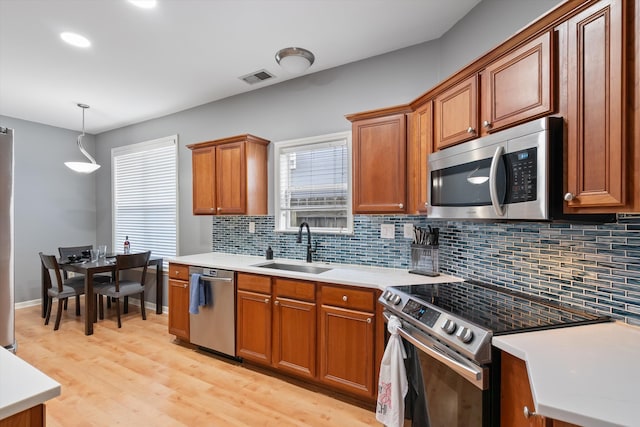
(7, 314)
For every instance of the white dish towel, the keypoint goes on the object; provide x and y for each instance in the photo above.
(392, 383)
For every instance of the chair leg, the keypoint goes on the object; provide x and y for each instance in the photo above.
(117, 303)
(48, 315)
(109, 302)
(77, 305)
(142, 309)
(59, 314)
(95, 308)
(65, 304)
(126, 305)
(101, 304)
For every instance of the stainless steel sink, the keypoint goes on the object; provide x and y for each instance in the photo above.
(312, 269)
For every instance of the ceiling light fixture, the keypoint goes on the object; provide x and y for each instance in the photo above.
(75, 39)
(295, 60)
(144, 4)
(83, 167)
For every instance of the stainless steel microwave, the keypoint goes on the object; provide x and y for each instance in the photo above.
(514, 174)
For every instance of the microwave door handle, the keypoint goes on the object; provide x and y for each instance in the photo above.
(493, 181)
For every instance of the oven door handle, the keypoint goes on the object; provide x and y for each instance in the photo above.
(474, 375)
(493, 181)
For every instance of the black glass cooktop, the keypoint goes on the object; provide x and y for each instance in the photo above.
(499, 309)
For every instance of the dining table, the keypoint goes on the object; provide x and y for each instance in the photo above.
(89, 268)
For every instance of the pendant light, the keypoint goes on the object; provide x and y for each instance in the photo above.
(83, 167)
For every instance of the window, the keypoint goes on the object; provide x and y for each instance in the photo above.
(313, 183)
(145, 196)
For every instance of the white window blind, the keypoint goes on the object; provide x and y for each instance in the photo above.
(313, 183)
(145, 196)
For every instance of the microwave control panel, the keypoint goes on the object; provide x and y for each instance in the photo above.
(523, 168)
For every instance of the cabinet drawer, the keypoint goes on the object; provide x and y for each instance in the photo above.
(179, 271)
(254, 282)
(295, 289)
(358, 299)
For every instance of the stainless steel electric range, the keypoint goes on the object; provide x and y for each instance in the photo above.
(448, 328)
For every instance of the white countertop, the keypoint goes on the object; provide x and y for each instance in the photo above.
(586, 375)
(344, 274)
(22, 386)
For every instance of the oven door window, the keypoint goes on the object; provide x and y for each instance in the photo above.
(467, 184)
(451, 400)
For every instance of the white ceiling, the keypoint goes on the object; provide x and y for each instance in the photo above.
(144, 64)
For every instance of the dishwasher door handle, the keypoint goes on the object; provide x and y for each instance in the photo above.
(216, 279)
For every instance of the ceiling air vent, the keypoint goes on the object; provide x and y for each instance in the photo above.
(257, 76)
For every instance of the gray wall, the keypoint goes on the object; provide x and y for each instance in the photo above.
(54, 206)
(310, 105)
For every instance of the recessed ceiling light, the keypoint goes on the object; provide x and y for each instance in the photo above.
(144, 4)
(75, 39)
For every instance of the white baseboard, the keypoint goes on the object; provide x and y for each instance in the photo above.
(134, 301)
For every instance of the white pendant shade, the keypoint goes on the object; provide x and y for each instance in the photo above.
(82, 167)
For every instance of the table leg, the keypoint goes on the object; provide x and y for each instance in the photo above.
(159, 286)
(88, 303)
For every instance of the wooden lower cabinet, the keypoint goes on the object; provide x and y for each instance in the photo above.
(294, 337)
(253, 335)
(515, 394)
(178, 300)
(32, 417)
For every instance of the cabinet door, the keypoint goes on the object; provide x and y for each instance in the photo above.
(178, 300)
(231, 177)
(456, 114)
(379, 165)
(346, 350)
(518, 87)
(294, 337)
(596, 146)
(420, 146)
(254, 327)
(515, 394)
(203, 162)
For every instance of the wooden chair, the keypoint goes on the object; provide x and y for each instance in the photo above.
(124, 288)
(62, 290)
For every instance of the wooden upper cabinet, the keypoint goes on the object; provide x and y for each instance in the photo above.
(456, 114)
(420, 145)
(597, 170)
(203, 162)
(380, 164)
(230, 176)
(518, 87)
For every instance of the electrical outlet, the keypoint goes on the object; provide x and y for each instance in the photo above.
(408, 231)
(252, 227)
(387, 231)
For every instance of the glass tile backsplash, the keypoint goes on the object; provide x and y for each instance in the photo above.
(592, 266)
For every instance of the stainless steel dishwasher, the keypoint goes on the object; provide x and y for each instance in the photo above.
(213, 328)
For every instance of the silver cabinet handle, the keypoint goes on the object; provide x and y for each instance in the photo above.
(276, 302)
(400, 205)
(486, 124)
(471, 130)
(344, 298)
(266, 300)
(426, 204)
(528, 414)
(368, 319)
(219, 208)
(185, 286)
(569, 197)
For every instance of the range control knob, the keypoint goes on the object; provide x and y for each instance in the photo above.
(387, 295)
(395, 300)
(449, 326)
(465, 334)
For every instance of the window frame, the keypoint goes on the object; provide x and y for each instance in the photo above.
(280, 146)
(167, 141)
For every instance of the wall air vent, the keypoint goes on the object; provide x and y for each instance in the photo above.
(257, 77)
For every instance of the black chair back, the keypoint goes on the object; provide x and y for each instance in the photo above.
(129, 261)
(51, 263)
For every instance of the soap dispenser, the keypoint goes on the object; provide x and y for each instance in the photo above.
(269, 253)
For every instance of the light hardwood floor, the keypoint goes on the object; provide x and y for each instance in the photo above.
(139, 376)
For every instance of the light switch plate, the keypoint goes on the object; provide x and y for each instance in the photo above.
(408, 231)
(387, 231)
(252, 227)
